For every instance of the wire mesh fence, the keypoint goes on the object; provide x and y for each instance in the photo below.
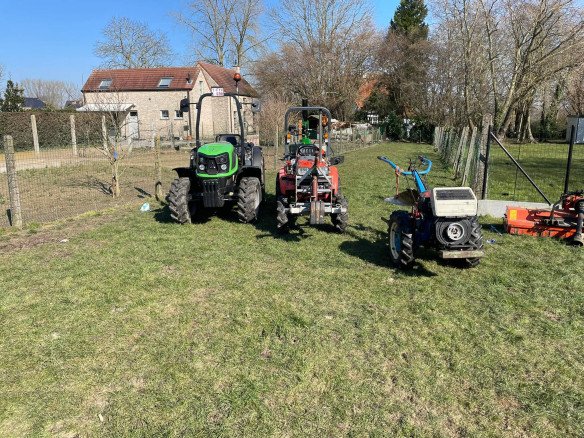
(56, 183)
(63, 172)
(464, 150)
(461, 150)
(545, 163)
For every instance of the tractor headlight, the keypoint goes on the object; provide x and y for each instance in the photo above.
(222, 159)
(224, 167)
(201, 167)
(301, 170)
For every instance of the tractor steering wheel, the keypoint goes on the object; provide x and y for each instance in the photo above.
(307, 150)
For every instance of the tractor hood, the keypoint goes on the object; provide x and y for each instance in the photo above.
(213, 149)
(215, 160)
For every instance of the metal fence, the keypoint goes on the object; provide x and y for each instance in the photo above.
(465, 152)
(60, 182)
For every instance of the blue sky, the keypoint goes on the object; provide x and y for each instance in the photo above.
(54, 39)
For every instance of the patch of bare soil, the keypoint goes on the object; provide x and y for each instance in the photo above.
(56, 232)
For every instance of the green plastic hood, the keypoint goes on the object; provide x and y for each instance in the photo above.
(212, 149)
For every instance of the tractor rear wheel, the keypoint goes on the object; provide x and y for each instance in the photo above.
(401, 242)
(475, 241)
(341, 220)
(249, 198)
(181, 209)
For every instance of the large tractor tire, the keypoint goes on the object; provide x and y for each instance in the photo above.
(181, 210)
(401, 241)
(341, 220)
(249, 198)
(475, 242)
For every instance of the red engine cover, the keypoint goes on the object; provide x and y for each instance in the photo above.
(287, 180)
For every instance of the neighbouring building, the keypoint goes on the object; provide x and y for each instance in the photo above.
(146, 101)
(33, 103)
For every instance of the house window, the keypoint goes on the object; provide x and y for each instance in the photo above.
(164, 82)
(164, 114)
(105, 84)
(178, 114)
(200, 87)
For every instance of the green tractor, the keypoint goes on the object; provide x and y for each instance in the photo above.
(225, 172)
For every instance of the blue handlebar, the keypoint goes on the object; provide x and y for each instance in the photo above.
(424, 160)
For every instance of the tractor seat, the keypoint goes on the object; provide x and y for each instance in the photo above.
(230, 138)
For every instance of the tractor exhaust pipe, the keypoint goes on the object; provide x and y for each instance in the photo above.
(578, 238)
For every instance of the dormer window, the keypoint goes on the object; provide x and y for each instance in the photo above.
(164, 82)
(105, 84)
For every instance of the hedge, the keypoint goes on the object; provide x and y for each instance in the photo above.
(53, 128)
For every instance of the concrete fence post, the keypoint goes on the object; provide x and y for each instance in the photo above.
(73, 134)
(13, 192)
(104, 134)
(469, 156)
(35, 134)
(276, 139)
(482, 152)
(158, 170)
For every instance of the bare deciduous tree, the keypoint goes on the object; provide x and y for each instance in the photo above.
(325, 47)
(131, 44)
(508, 50)
(224, 31)
(53, 93)
(244, 33)
(574, 102)
(209, 21)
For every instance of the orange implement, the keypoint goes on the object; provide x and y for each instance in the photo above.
(539, 222)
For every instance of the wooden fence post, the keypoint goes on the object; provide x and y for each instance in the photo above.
(104, 134)
(35, 134)
(276, 139)
(73, 134)
(13, 192)
(158, 170)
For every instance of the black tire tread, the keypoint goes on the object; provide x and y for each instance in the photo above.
(406, 256)
(475, 242)
(341, 220)
(178, 203)
(249, 187)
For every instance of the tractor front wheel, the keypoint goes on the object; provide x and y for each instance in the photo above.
(401, 242)
(341, 220)
(249, 198)
(181, 208)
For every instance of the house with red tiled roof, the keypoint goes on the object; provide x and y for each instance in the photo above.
(146, 101)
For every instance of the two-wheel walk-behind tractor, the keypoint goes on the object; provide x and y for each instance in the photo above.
(223, 172)
(443, 218)
(309, 183)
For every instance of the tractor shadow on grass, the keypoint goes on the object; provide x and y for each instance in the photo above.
(375, 251)
(162, 215)
(268, 225)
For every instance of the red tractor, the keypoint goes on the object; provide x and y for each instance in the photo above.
(309, 183)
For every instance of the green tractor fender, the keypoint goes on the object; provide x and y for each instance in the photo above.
(255, 166)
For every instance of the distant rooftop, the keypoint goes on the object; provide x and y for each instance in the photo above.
(33, 103)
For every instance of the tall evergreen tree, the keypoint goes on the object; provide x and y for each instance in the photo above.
(409, 19)
(13, 98)
(403, 62)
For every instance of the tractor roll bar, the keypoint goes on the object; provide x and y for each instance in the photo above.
(320, 109)
(239, 116)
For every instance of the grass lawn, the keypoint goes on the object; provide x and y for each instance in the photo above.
(139, 327)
